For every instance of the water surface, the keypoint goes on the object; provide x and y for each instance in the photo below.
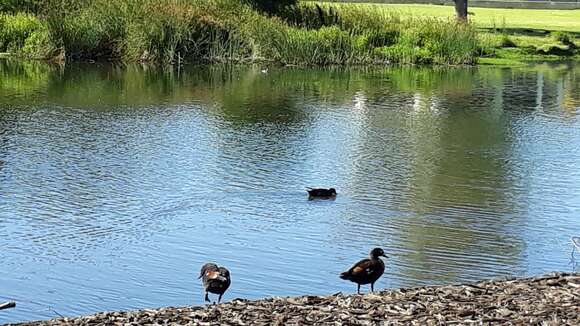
(118, 183)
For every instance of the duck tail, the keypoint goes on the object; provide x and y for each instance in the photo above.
(344, 275)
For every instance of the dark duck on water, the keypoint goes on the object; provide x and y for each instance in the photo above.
(215, 280)
(321, 193)
(367, 270)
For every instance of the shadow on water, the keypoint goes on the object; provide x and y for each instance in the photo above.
(118, 182)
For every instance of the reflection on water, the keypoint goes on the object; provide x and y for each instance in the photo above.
(117, 183)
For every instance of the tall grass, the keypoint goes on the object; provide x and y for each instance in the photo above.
(387, 35)
(87, 29)
(324, 46)
(25, 34)
(16, 6)
(172, 31)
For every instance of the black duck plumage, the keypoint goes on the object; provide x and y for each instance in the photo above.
(215, 280)
(321, 192)
(366, 271)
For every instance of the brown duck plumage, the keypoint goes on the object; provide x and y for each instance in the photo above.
(215, 280)
(367, 270)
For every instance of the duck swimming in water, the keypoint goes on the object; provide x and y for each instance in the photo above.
(215, 280)
(367, 270)
(321, 193)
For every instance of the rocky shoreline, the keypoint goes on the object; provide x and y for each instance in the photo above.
(552, 299)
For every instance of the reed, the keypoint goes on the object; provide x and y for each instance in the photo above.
(173, 31)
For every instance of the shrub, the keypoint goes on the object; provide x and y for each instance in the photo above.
(15, 29)
(38, 45)
(433, 41)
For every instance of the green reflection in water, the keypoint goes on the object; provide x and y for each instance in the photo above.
(435, 143)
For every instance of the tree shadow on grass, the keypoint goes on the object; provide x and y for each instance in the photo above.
(525, 31)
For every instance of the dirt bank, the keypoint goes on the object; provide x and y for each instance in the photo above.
(548, 300)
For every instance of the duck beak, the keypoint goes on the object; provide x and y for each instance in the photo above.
(385, 256)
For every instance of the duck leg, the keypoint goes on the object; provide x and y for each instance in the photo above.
(372, 287)
(206, 297)
(358, 288)
(220, 298)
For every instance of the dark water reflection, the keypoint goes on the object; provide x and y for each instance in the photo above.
(117, 183)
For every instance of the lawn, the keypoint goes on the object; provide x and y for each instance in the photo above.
(552, 20)
(515, 35)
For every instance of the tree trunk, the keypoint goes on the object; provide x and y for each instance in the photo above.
(461, 10)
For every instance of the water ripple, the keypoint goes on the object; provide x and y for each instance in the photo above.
(460, 174)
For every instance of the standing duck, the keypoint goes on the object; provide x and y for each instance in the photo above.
(321, 193)
(215, 280)
(367, 270)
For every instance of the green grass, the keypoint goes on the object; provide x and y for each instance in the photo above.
(530, 31)
(553, 20)
(171, 31)
(310, 33)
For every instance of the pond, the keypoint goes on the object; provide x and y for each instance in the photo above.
(118, 182)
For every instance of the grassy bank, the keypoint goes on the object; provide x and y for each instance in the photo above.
(540, 19)
(507, 35)
(172, 31)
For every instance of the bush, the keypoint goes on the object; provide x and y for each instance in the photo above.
(24, 34)
(433, 41)
(38, 45)
(15, 29)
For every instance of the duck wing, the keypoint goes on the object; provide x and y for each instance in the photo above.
(362, 269)
(224, 275)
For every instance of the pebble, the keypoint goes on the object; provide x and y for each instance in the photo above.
(548, 300)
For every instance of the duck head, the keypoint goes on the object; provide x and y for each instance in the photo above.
(377, 252)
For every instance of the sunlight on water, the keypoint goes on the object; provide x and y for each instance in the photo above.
(117, 184)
